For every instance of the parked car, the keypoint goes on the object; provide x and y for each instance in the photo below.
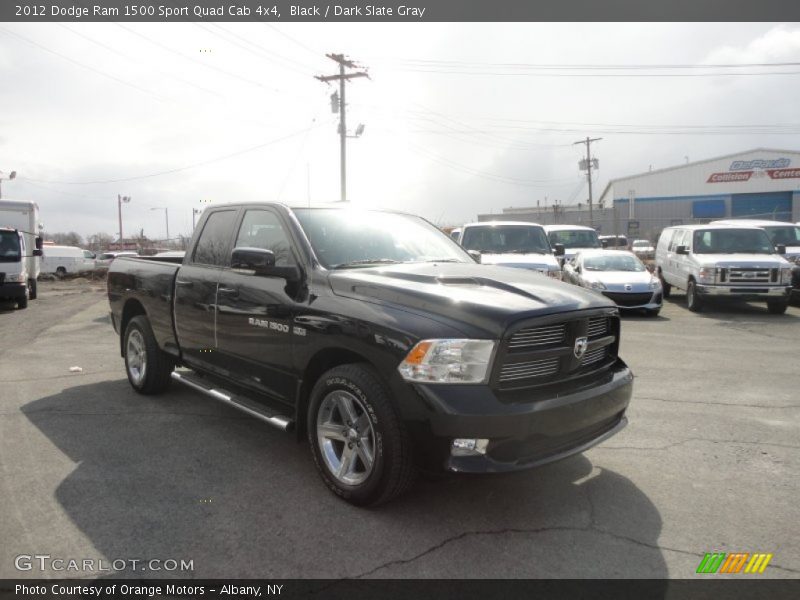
(720, 261)
(614, 242)
(618, 275)
(781, 234)
(14, 264)
(512, 244)
(643, 249)
(376, 338)
(104, 260)
(63, 260)
(573, 238)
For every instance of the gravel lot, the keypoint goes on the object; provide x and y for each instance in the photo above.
(88, 469)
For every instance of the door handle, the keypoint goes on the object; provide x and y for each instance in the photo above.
(184, 283)
(228, 291)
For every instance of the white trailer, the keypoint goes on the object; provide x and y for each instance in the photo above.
(23, 215)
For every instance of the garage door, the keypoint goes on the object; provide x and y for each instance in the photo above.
(775, 205)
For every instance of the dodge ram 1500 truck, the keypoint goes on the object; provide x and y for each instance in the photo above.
(378, 339)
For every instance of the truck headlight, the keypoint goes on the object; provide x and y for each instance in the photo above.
(707, 274)
(448, 361)
(786, 275)
(16, 278)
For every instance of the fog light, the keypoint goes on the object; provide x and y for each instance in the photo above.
(469, 447)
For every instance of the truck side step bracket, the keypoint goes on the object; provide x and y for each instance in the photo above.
(252, 408)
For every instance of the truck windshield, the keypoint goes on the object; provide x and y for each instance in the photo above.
(506, 239)
(9, 247)
(732, 241)
(345, 238)
(785, 234)
(575, 238)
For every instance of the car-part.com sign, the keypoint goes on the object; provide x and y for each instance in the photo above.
(743, 170)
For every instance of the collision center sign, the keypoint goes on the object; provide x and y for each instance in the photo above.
(743, 170)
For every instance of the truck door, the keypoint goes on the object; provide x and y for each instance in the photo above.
(196, 289)
(255, 320)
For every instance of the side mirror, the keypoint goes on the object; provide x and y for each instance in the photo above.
(38, 244)
(682, 250)
(476, 256)
(781, 248)
(558, 250)
(38, 252)
(604, 243)
(262, 262)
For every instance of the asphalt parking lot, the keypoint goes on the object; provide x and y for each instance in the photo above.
(709, 462)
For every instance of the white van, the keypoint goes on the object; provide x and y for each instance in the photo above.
(13, 267)
(717, 261)
(62, 260)
(574, 238)
(23, 216)
(511, 244)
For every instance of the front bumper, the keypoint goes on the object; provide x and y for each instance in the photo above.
(744, 292)
(12, 291)
(523, 431)
(635, 300)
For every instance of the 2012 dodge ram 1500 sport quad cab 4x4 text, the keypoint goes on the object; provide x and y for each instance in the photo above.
(379, 339)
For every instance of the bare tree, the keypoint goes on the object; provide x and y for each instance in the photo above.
(66, 239)
(99, 241)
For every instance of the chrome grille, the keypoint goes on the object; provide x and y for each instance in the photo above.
(597, 326)
(525, 370)
(538, 336)
(748, 275)
(594, 356)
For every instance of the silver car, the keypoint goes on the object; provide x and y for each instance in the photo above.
(618, 275)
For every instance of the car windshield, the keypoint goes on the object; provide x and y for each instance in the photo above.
(575, 238)
(732, 241)
(786, 234)
(506, 239)
(9, 247)
(623, 262)
(343, 238)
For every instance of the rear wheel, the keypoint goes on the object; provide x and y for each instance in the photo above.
(777, 307)
(148, 367)
(61, 272)
(359, 444)
(693, 300)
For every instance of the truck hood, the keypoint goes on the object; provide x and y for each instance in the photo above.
(530, 260)
(765, 261)
(465, 296)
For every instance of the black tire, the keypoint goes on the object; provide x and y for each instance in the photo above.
(693, 300)
(154, 377)
(61, 272)
(392, 470)
(777, 307)
(23, 302)
(653, 313)
(666, 288)
(32, 288)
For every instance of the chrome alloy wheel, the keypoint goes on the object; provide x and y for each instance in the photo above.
(346, 437)
(136, 356)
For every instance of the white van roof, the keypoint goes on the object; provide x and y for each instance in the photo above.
(713, 225)
(549, 228)
(503, 223)
(754, 223)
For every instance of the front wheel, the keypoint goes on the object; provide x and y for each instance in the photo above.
(693, 300)
(777, 307)
(359, 444)
(148, 367)
(665, 287)
(32, 289)
(23, 301)
(653, 313)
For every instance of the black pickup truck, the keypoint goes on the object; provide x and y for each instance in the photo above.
(379, 339)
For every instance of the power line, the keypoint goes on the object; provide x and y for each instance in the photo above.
(293, 40)
(587, 66)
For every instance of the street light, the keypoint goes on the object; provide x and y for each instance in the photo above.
(166, 217)
(120, 200)
(11, 176)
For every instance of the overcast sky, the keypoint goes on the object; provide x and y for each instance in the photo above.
(231, 112)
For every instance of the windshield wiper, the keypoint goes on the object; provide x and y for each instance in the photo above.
(448, 260)
(523, 251)
(367, 262)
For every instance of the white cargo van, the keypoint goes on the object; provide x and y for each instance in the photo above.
(573, 238)
(62, 260)
(23, 216)
(719, 261)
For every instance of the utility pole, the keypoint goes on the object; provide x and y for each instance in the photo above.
(120, 200)
(342, 78)
(588, 166)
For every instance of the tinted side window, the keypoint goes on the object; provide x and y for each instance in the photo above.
(212, 247)
(263, 229)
